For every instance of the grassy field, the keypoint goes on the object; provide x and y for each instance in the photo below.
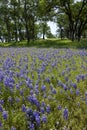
(43, 87)
(54, 43)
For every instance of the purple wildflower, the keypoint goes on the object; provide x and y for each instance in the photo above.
(43, 88)
(0, 124)
(44, 118)
(77, 92)
(23, 108)
(1, 108)
(86, 93)
(59, 107)
(32, 126)
(48, 109)
(5, 115)
(65, 113)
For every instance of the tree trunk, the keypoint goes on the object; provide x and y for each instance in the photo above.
(15, 24)
(33, 29)
(26, 22)
(79, 37)
(20, 34)
(43, 36)
(16, 36)
(61, 33)
(27, 34)
(8, 32)
(43, 32)
(73, 37)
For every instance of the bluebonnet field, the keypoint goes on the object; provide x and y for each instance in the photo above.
(43, 89)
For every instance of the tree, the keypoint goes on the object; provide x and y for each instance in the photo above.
(19, 18)
(5, 16)
(44, 29)
(74, 13)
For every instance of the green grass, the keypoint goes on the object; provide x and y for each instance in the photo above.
(48, 43)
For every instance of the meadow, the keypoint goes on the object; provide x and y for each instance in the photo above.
(48, 43)
(43, 89)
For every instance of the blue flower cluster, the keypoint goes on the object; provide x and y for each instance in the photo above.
(40, 87)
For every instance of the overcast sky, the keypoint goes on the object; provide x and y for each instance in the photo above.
(53, 25)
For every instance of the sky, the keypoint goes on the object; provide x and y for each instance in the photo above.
(53, 25)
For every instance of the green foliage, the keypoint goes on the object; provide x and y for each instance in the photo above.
(19, 18)
(48, 43)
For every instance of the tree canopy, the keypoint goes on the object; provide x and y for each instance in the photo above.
(27, 19)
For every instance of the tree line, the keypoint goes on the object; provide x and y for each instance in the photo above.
(27, 19)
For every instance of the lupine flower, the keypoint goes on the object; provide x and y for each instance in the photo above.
(54, 91)
(77, 92)
(43, 104)
(29, 112)
(78, 78)
(30, 86)
(37, 104)
(37, 119)
(82, 77)
(36, 113)
(47, 80)
(0, 124)
(42, 110)
(48, 109)
(31, 92)
(33, 100)
(43, 88)
(63, 73)
(21, 92)
(59, 107)
(44, 119)
(66, 78)
(36, 91)
(9, 81)
(65, 87)
(75, 85)
(86, 102)
(10, 99)
(17, 99)
(51, 87)
(65, 113)
(1, 76)
(23, 108)
(17, 86)
(32, 127)
(86, 93)
(30, 115)
(1, 108)
(17, 74)
(5, 115)
(59, 83)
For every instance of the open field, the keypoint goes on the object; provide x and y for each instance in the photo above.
(49, 43)
(43, 89)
